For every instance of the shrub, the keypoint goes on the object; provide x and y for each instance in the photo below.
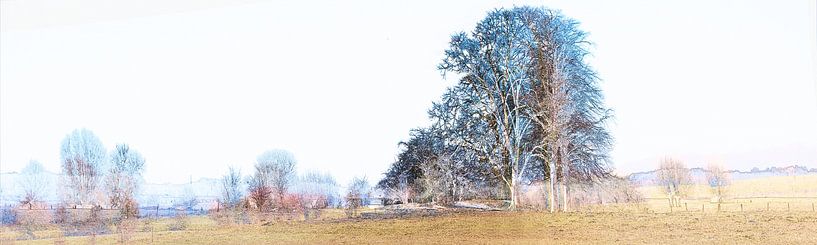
(60, 215)
(129, 209)
(8, 216)
(125, 229)
(29, 221)
(179, 221)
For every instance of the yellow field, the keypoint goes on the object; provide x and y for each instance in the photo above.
(779, 193)
(499, 227)
(779, 220)
(777, 186)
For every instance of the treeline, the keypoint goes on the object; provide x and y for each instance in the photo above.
(527, 108)
(93, 177)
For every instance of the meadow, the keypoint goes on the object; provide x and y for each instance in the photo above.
(745, 217)
(493, 227)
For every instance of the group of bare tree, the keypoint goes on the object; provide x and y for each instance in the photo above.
(274, 170)
(676, 180)
(90, 178)
(527, 108)
(89, 175)
(275, 186)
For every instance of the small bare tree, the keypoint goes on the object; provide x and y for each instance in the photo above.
(123, 179)
(673, 175)
(259, 193)
(357, 195)
(718, 180)
(230, 188)
(33, 182)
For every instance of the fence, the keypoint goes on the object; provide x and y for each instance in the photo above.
(738, 204)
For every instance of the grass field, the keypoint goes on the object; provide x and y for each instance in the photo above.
(744, 217)
(777, 186)
(498, 227)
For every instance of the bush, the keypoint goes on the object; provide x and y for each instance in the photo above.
(29, 221)
(60, 215)
(82, 222)
(125, 228)
(129, 209)
(230, 216)
(8, 216)
(179, 221)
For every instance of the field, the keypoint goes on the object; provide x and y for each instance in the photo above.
(785, 217)
(498, 227)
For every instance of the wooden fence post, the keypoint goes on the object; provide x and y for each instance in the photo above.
(812, 207)
(741, 207)
(685, 207)
(767, 206)
(702, 208)
(788, 206)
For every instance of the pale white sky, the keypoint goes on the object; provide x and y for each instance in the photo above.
(198, 86)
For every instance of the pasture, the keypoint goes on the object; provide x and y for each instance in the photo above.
(785, 216)
(488, 227)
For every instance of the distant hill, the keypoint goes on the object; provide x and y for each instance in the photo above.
(699, 174)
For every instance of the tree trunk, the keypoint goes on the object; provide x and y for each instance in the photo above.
(564, 185)
(512, 188)
(552, 188)
(564, 196)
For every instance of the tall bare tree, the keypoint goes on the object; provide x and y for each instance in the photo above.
(83, 166)
(565, 102)
(494, 62)
(673, 175)
(539, 97)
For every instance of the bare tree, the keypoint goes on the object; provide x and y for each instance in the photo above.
(124, 178)
(539, 98)
(83, 163)
(434, 180)
(230, 188)
(673, 175)
(718, 180)
(34, 182)
(494, 64)
(316, 190)
(259, 191)
(357, 195)
(565, 101)
(275, 169)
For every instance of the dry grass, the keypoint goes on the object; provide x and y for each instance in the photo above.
(499, 227)
(783, 221)
(776, 186)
